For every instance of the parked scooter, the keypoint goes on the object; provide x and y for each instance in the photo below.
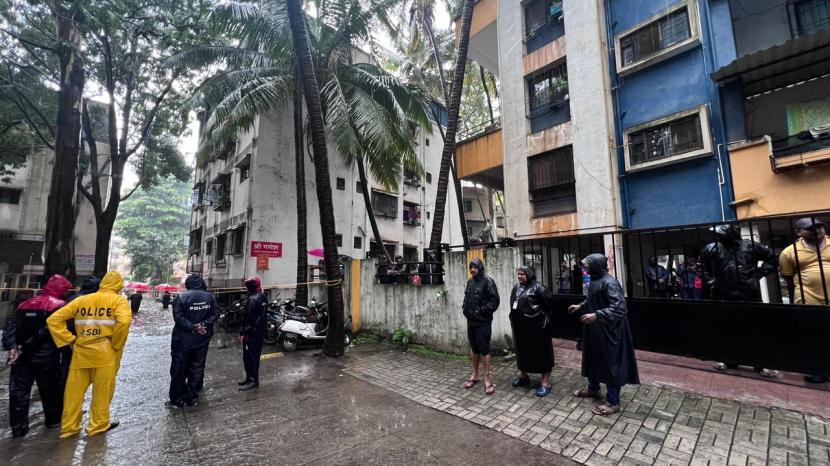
(309, 324)
(275, 317)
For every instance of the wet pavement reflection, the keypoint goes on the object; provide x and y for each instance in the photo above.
(305, 411)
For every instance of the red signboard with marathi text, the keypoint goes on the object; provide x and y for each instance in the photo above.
(265, 248)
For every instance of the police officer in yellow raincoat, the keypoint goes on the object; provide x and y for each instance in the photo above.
(102, 322)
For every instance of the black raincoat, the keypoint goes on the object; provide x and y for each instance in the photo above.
(530, 308)
(481, 297)
(607, 348)
(730, 266)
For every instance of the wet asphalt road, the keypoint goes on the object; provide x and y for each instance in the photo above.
(306, 411)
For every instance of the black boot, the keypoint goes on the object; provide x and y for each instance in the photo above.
(251, 384)
(19, 432)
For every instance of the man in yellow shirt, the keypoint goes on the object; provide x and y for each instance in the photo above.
(102, 322)
(805, 266)
(807, 273)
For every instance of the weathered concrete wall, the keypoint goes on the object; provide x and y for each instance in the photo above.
(436, 319)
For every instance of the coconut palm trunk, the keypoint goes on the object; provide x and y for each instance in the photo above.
(452, 126)
(370, 212)
(301, 294)
(335, 336)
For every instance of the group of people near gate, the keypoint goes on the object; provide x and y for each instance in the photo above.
(66, 341)
(607, 348)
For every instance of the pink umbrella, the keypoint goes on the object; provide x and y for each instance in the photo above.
(167, 287)
(316, 252)
(140, 287)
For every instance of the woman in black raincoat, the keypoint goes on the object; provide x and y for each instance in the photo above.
(530, 306)
(607, 348)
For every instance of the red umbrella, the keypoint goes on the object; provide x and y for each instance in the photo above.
(167, 287)
(140, 287)
(316, 252)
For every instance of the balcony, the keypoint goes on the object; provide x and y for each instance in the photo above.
(802, 150)
(484, 35)
(480, 156)
(770, 181)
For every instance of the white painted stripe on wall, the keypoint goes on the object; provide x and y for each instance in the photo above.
(94, 322)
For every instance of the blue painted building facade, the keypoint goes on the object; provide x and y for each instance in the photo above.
(670, 136)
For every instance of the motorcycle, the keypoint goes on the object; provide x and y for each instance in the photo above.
(309, 324)
(231, 318)
(275, 316)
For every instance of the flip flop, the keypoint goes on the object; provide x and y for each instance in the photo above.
(605, 409)
(470, 383)
(489, 389)
(584, 393)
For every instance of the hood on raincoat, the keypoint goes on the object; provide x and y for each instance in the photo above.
(51, 295)
(529, 273)
(597, 264)
(727, 233)
(479, 264)
(90, 285)
(195, 281)
(254, 285)
(112, 281)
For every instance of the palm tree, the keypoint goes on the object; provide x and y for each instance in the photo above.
(421, 20)
(367, 113)
(452, 124)
(301, 295)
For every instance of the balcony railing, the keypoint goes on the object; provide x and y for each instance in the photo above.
(475, 131)
(803, 149)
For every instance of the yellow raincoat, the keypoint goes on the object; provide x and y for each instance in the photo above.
(102, 322)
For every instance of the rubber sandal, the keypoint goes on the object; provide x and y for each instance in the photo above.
(489, 389)
(585, 393)
(605, 409)
(470, 383)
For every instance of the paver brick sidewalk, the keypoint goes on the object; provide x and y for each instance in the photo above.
(656, 425)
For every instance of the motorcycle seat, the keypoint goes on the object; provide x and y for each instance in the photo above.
(301, 318)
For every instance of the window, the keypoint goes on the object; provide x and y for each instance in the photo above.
(468, 205)
(812, 15)
(548, 88)
(209, 247)
(195, 241)
(670, 31)
(341, 184)
(427, 215)
(358, 242)
(358, 187)
(197, 199)
(411, 213)
(238, 240)
(538, 13)
(244, 173)
(551, 182)
(411, 177)
(676, 137)
(427, 142)
(10, 196)
(338, 239)
(385, 205)
(220, 248)
(429, 178)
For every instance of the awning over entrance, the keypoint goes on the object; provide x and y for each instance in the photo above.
(794, 61)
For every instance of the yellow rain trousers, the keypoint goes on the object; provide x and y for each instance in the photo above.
(102, 322)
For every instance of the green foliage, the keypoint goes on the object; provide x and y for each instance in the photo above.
(154, 225)
(403, 336)
(369, 113)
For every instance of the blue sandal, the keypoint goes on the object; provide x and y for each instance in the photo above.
(521, 382)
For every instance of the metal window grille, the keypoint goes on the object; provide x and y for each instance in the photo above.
(666, 140)
(549, 87)
(338, 240)
(341, 184)
(655, 36)
(551, 182)
(812, 15)
(385, 205)
(540, 12)
(358, 242)
(411, 213)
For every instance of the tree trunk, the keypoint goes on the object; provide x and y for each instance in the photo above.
(459, 195)
(487, 94)
(59, 242)
(370, 212)
(452, 126)
(335, 335)
(103, 234)
(301, 294)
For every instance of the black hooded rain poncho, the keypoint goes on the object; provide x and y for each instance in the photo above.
(607, 348)
(530, 307)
